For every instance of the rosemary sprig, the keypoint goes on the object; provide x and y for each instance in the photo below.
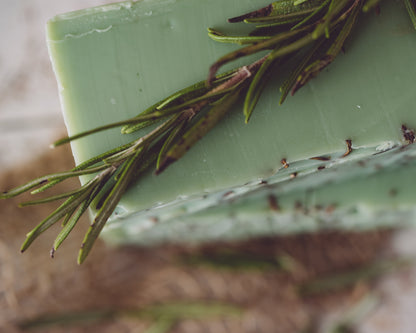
(304, 34)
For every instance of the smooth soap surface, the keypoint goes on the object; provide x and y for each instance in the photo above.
(114, 61)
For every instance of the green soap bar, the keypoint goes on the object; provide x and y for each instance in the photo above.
(112, 62)
(363, 200)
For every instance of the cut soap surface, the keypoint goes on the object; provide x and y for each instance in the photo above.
(112, 62)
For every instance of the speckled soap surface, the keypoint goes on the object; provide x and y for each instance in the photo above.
(112, 62)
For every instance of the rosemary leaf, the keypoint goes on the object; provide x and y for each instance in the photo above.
(66, 219)
(283, 18)
(335, 7)
(70, 221)
(337, 45)
(68, 207)
(176, 100)
(51, 198)
(91, 131)
(122, 155)
(110, 204)
(223, 38)
(101, 157)
(175, 133)
(184, 95)
(292, 78)
(24, 188)
(312, 15)
(251, 49)
(82, 198)
(136, 126)
(69, 225)
(195, 90)
(256, 87)
(92, 161)
(57, 177)
(196, 132)
(163, 113)
(411, 9)
(317, 66)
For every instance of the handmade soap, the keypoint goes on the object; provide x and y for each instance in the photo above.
(112, 62)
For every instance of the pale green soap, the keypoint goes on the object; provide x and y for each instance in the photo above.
(112, 62)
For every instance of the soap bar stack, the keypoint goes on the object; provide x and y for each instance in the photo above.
(339, 154)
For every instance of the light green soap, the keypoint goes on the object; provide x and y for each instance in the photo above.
(112, 62)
